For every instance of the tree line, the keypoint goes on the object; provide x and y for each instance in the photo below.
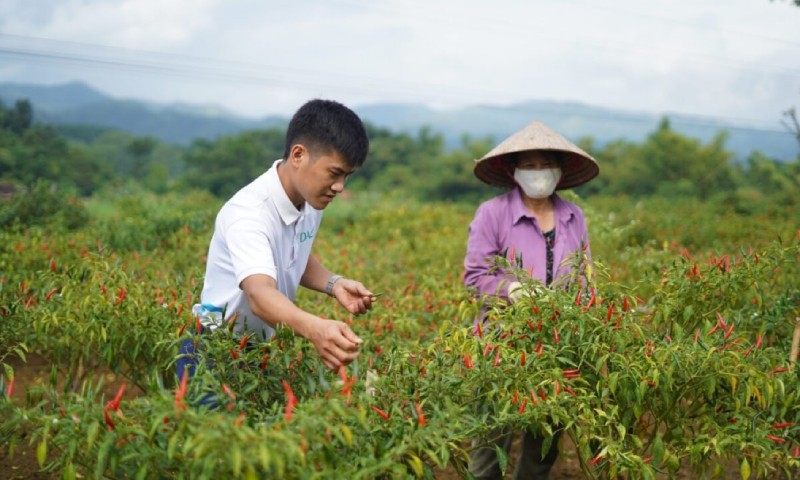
(87, 159)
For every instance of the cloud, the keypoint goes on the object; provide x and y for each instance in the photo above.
(140, 24)
(260, 57)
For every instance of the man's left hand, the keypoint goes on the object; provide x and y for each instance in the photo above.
(353, 295)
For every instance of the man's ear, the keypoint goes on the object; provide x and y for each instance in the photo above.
(296, 154)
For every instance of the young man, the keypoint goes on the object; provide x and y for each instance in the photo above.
(260, 252)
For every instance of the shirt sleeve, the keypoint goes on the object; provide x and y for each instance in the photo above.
(250, 248)
(482, 246)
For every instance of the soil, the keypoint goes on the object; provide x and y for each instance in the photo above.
(36, 371)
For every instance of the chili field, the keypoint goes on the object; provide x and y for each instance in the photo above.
(669, 357)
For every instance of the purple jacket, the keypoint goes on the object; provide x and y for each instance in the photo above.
(504, 223)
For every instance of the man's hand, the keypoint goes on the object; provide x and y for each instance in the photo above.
(353, 296)
(336, 344)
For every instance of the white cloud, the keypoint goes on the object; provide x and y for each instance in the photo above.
(141, 24)
(261, 57)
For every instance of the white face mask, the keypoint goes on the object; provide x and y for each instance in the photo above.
(538, 183)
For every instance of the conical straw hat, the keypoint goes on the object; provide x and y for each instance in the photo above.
(578, 167)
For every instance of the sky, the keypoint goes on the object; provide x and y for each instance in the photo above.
(737, 60)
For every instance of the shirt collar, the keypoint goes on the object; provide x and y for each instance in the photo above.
(518, 210)
(289, 214)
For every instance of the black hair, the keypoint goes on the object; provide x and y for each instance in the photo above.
(325, 125)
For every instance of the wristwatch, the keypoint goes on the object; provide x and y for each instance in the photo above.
(329, 286)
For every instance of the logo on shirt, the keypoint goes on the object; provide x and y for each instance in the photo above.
(307, 235)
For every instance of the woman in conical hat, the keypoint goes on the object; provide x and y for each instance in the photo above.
(542, 230)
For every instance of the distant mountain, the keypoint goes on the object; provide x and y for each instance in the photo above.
(576, 121)
(78, 103)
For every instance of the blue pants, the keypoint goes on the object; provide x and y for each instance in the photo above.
(188, 359)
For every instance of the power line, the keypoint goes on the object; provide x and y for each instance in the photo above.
(188, 66)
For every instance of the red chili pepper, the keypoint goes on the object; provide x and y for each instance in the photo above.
(592, 299)
(783, 425)
(121, 296)
(228, 391)
(468, 361)
(696, 335)
(779, 370)
(647, 459)
(758, 342)
(522, 359)
(243, 342)
(487, 349)
(536, 310)
(574, 373)
(291, 400)
(10, 388)
(776, 439)
(197, 325)
(420, 415)
(107, 417)
(264, 361)
(578, 297)
(721, 321)
(50, 294)
(230, 394)
(797, 451)
(53, 265)
(555, 335)
(479, 329)
(533, 398)
(516, 398)
(539, 348)
(530, 325)
(595, 461)
(616, 324)
(234, 354)
(558, 387)
(569, 390)
(497, 358)
(730, 330)
(522, 405)
(380, 412)
(610, 312)
(181, 330)
(118, 397)
(180, 392)
(240, 419)
(625, 305)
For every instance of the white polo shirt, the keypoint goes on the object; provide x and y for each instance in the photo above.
(257, 231)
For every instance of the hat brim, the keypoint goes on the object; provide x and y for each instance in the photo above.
(498, 170)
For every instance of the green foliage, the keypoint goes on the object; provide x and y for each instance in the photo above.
(225, 166)
(44, 204)
(31, 153)
(651, 364)
(399, 164)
